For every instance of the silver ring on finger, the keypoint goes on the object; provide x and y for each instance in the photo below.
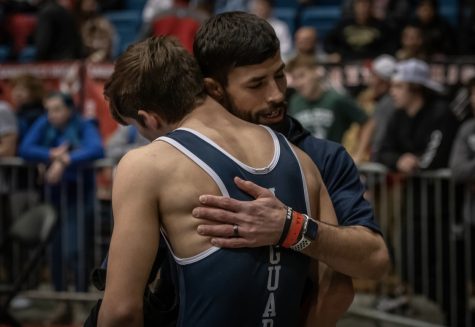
(235, 230)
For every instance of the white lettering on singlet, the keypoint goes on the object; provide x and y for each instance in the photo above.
(270, 307)
(274, 256)
(272, 189)
(273, 278)
(267, 323)
(272, 285)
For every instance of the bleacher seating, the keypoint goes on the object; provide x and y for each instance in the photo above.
(323, 18)
(22, 28)
(324, 15)
(285, 4)
(450, 13)
(287, 15)
(4, 53)
(127, 24)
(134, 4)
(295, 3)
(27, 54)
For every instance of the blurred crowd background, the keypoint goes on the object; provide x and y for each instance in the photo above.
(391, 80)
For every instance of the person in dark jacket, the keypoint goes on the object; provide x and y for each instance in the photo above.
(420, 134)
(360, 37)
(438, 33)
(419, 137)
(57, 35)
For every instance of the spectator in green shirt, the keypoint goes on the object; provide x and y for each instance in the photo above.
(326, 113)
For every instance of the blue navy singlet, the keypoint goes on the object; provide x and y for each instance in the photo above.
(243, 287)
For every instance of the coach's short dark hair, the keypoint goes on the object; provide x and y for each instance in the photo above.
(233, 39)
(155, 75)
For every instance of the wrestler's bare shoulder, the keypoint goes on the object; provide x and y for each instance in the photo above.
(156, 157)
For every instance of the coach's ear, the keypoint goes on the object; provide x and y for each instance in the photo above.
(214, 89)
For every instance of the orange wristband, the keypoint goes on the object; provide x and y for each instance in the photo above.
(295, 229)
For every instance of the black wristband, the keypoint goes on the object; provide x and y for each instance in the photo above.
(287, 223)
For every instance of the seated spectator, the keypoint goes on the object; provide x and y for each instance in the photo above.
(382, 70)
(27, 98)
(63, 141)
(420, 134)
(8, 131)
(467, 31)
(394, 12)
(98, 37)
(359, 37)
(438, 33)
(124, 139)
(57, 35)
(377, 103)
(418, 137)
(324, 112)
(412, 44)
(97, 33)
(307, 44)
(263, 9)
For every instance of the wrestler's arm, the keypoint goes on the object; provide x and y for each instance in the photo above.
(134, 242)
(335, 296)
(335, 290)
(356, 251)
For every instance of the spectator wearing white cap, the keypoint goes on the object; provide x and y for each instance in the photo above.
(382, 69)
(421, 134)
(377, 103)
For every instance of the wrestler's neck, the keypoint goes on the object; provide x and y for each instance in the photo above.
(207, 114)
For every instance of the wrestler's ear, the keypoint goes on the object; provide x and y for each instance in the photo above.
(149, 120)
(214, 89)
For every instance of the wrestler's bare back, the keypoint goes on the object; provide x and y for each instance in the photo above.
(179, 181)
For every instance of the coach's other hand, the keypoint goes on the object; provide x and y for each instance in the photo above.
(260, 221)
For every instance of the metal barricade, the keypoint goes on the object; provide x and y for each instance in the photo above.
(81, 239)
(429, 237)
(423, 218)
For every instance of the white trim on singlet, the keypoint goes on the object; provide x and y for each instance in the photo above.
(192, 259)
(198, 161)
(221, 186)
(304, 181)
(252, 170)
(216, 179)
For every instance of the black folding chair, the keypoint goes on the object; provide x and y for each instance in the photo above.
(31, 231)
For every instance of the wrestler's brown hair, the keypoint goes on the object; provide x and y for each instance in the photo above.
(156, 75)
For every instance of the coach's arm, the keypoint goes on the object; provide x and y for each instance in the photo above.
(355, 251)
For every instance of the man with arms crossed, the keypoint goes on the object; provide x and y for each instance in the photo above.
(157, 87)
(239, 56)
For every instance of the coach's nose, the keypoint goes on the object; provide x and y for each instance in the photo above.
(276, 91)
